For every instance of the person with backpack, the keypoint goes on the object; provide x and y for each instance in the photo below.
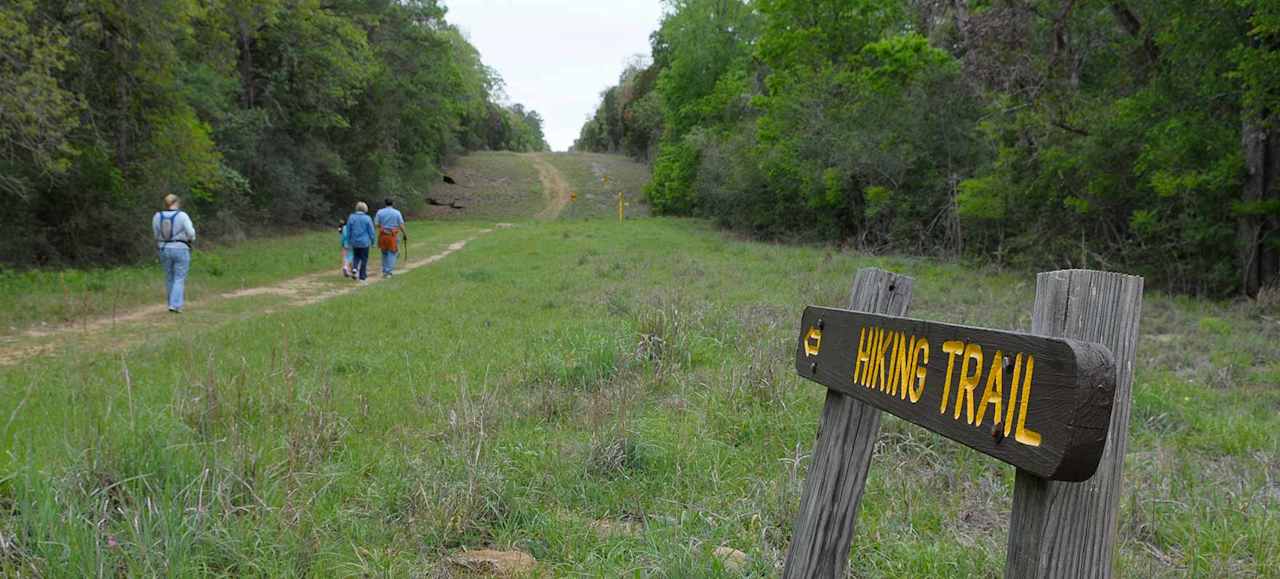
(174, 233)
(390, 227)
(360, 237)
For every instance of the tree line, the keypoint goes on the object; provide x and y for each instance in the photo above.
(263, 114)
(1135, 135)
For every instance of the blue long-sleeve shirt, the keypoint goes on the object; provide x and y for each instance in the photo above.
(360, 230)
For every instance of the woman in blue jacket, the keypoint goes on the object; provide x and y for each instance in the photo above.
(360, 235)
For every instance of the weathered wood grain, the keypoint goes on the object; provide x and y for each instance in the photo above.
(1062, 529)
(1047, 400)
(846, 436)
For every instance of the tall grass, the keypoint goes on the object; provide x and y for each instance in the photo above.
(601, 401)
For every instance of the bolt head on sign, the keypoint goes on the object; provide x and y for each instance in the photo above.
(1041, 404)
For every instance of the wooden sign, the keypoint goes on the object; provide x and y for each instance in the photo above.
(1041, 404)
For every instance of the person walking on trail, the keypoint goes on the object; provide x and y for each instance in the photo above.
(174, 233)
(346, 248)
(390, 227)
(360, 236)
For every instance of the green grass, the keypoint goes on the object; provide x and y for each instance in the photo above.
(495, 185)
(557, 374)
(585, 173)
(33, 297)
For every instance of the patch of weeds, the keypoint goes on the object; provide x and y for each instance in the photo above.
(583, 362)
(1228, 368)
(211, 264)
(317, 433)
(1155, 407)
(1216, 326)
(615, 270)
(1266, 304)
(762, 380)
(15, 559)
(201, 405)
(554, 404)
(615, 454)
(983, 513)
(661, 334)
(445, 498)
(352, 367)
(616, 304)
(673, 333)
(473, 413)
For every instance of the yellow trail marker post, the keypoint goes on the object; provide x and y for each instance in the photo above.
(620, 202)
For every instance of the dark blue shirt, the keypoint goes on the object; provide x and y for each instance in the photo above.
(360, 229)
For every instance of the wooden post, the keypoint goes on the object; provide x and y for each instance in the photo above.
(1063, 529)
(846, 436)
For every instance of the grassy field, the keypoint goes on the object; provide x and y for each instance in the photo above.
(492, 185)
(57, 297)
(586, 174)
(505, 186)
(578, 390)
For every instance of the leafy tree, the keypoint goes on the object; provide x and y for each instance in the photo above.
(1125, 134)
(261, 112)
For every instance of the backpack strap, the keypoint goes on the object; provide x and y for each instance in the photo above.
(172, 218)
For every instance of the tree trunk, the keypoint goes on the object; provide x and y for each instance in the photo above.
(1259, 256)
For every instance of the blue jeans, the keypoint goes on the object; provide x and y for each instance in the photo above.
(359, 262)
(176, 262)
(388, 261)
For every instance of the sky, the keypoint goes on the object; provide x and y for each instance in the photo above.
(556, 56)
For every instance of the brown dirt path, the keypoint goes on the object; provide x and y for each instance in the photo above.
(553, 186)
(128, 328)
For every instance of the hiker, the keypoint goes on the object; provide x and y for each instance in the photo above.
(174, 234)
(360, 237)
(390, 226)
(346, 248)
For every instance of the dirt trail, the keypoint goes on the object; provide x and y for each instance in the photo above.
(125, 329)
(553, 186)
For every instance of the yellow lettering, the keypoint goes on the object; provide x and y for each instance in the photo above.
(994, 390)
(1013, 395)
(870, 381)
(952, 348)
(919, 358)
(880, 361)
(892, 386)
(902, 358)
(864, 355)
(1026, 435)
(964, 391)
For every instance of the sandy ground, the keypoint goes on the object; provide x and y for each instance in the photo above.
(553, 186)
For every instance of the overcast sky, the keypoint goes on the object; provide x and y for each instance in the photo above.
(556, 56)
